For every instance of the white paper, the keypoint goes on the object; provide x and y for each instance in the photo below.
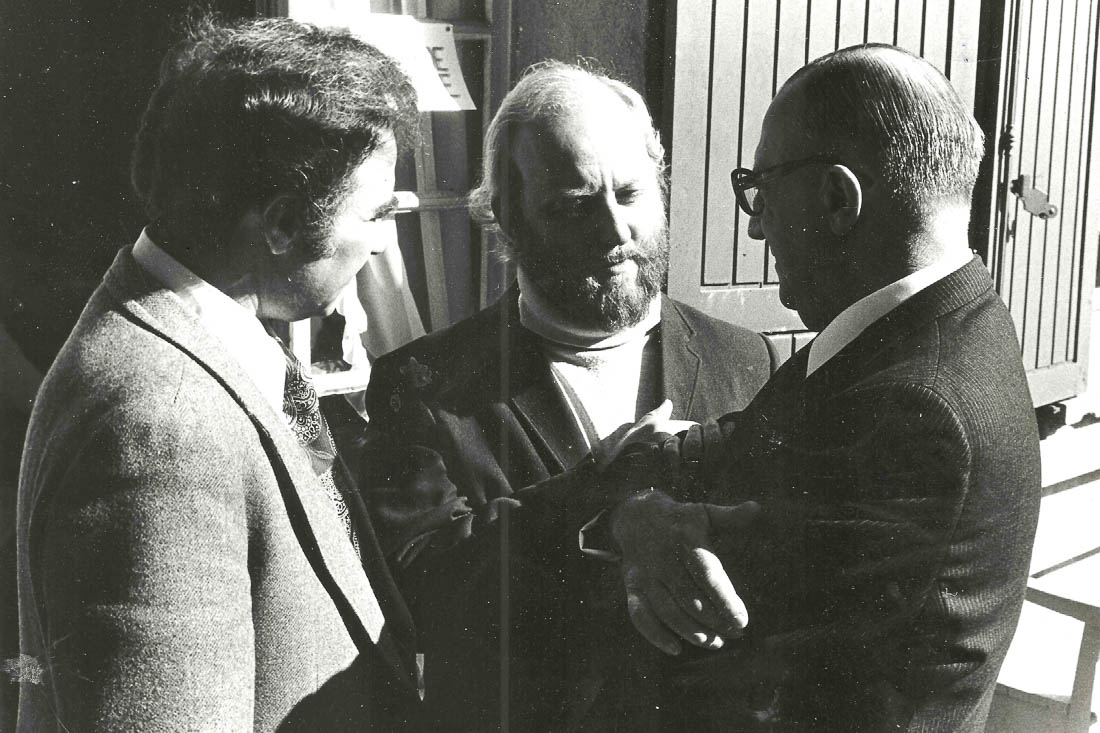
(426, 51)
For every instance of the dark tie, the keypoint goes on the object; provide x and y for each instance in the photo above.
(302, 410)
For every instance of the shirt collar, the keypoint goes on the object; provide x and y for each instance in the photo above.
(541, 318)
(854, 319)
(237, 328)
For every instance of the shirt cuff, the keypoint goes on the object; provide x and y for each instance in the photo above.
(595, 537)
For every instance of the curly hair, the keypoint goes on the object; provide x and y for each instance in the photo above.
(247, 110)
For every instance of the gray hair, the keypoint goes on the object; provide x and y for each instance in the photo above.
(902, 112)
(548, 90)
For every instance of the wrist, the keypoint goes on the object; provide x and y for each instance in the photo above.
(630, 516)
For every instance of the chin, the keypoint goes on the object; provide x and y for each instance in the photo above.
(786, 300)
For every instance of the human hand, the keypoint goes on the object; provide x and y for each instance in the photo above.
(654, 427)
(676, 587)
(694, 459)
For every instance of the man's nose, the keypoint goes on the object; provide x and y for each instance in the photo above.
(755, 230)
(614, 225)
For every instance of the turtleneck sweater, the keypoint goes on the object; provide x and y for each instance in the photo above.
(605, 378)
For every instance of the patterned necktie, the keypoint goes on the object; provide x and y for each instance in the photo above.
(302, 410)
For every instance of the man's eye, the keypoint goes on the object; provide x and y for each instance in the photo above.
(567, 208)
(627, 195)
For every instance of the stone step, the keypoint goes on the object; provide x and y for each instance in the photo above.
(1037, 676)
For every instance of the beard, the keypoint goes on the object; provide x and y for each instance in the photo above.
(582, 288)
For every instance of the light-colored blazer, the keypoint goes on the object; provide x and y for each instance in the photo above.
(180, 566)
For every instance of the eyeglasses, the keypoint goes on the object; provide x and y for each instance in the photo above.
(745, 181)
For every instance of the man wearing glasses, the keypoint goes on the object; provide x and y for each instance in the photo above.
(875, 505)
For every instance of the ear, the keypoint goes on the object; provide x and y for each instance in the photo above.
(509, 218)
(842, 196)
(283, 221)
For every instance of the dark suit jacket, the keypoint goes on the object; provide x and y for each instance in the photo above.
(467, 420)
(180, 566)
(900, 487)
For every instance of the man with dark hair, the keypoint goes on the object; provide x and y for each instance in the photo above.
(890, 470)
(191, 554)
(502, 409)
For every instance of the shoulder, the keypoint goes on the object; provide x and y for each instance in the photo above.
(971, 357)
(121, 393)
(960, 374)
(448, 360)
(718, 341)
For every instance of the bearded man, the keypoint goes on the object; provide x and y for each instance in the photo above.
(504, 407)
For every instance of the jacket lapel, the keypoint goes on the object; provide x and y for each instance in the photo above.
(680, 361)
(316, 525)
(535, 399)
(538, 403)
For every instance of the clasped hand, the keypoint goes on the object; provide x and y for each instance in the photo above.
(676, 587)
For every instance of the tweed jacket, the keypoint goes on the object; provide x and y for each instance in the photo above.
(900, 492)
(466, 423)
(180, 566)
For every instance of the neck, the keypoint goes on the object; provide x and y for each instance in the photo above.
(941, 235)
(945, 234)
(215, 268)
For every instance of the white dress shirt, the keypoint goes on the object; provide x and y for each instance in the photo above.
(855, 319)
(244, 337)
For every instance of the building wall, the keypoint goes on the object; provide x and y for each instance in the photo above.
(625, 37)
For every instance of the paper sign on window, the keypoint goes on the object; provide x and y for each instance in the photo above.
(425, 50)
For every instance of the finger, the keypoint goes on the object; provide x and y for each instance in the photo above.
(726, 518)
(649, 627)
(712, 448)
(669, 612)
(662, 411)
(673, 426)
(708, 572)
(649, 423)
(671, 451)
(609, 448)
(692, 449)
(695, 602)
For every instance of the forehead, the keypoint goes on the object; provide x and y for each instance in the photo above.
(375, 174)
(597, 139)
(783, 135)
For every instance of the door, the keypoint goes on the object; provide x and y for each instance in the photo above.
(731, 57)
(1043, 240)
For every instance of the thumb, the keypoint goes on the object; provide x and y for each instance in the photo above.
(661, 412)
(734, 517)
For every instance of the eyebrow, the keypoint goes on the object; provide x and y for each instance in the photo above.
(579, 192)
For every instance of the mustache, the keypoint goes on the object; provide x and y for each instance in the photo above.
(534, 253)
(619, 255)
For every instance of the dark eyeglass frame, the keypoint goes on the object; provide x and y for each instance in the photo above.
(745, 179)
